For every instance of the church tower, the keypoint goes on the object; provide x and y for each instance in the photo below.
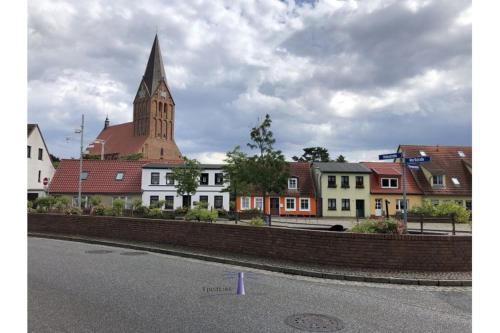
(154, 109)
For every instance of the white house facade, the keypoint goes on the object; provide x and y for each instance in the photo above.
(157, 185)
(39, 163)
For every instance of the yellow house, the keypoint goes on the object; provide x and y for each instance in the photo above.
(386, 189)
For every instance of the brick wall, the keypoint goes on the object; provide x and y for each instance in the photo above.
(402, 252)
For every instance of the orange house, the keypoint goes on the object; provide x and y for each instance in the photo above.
(298, 199)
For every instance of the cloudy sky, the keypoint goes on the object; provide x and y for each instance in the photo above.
(356, 77)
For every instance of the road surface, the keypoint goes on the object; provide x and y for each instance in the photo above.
(77, 287)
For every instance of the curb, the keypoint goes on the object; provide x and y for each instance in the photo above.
(278, 269)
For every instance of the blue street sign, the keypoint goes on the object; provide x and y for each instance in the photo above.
(389, 156)
(415, 160)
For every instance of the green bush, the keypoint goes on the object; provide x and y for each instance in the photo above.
(462, 215)
(136, 203)
(46, 202)
(256, 221)
(118, 206)
(199, 213)
(181, 211)
(386, 226)
(95, 200)
(73, 211)
(100, 210)
(155, 213)
(158, 204)
(30, 204)
(142, 211)
(109, 211)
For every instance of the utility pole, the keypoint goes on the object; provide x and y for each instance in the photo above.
(405, 213)
(81, 163)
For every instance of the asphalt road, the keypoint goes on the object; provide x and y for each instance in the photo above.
(73, 290)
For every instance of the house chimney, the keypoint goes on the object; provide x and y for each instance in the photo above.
(106, 122)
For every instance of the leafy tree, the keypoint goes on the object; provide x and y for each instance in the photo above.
(266, 171)
(118, 206)
(234, 171)
(313, 154)
(187, 177)
(341, 159)
(132, 157)
(95, 200)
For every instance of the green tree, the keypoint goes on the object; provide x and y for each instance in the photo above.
(267, 172)
(234, 172)
(313, 154)
(341, 159)
(187, 176)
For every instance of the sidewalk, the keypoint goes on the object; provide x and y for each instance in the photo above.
(286, 266)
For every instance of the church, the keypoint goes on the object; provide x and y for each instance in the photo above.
(151, 133)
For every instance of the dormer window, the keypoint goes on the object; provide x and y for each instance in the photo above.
(292, 183)
(461, 153)
(119, 175)
(438, 180)
(85, 175)
(455, 180)
(422, 153)
(389, 183)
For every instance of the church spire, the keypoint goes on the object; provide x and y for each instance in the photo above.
(155, 71)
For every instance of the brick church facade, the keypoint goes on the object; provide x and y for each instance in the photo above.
(151, 132)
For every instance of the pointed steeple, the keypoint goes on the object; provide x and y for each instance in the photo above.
(106, 122)
(154, 69)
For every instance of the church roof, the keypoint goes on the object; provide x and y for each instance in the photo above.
(119, 139)
(155, 72)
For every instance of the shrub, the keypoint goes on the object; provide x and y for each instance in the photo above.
(199, 213)
(73, 211)
(462, 215)
(46, 202)
(158, 204)
(222, 212)
(142, 211)
(181, 211)
(387, 226)
(256, 221)
(118, 206)
(100, 210)
(136, 203)
(155, 213)
(109, 212)
(30, 204)
(95, 200)
(168, 215)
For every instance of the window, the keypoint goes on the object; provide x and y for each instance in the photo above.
(219, 178)
(400, 206)
(422, 153)
(153, 199)
(290, 203)
(119, 175)
(468, 204)
(85, 175)
(218, 201)
(359, 182)
(259, 203)
(346, 204)
(435, 202)
(40, 154)
(39, 176)
(378, 203)
(169, 202)
(304, 204)
(29, 151)
(74, 202)
(204, 198)
(292, 183)
(455, 180)
(169, 177)
(245, 203)
(461, 153)
(161, 151)
(344, 181)
(437, 180)
(389, 182)
(332, 204)
(155, 178)
(332, 181)
(204, 179)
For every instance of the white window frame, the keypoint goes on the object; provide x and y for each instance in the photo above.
(167, 179)
(398, 204)
(437, 184)
(389, 179)
(296, 183)
(120, 173)
(244, 199)
(455, 180)
(378, 203)
(308, 205)
(294, 204)
(461, 153)
(261, 208)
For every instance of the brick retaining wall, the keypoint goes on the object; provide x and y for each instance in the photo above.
(401, 252)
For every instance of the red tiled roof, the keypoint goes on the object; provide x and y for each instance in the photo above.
(101, 176)
(394, 170)
(119, 139)
(444, 160)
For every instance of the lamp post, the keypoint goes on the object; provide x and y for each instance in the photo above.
(102, 142)
(80, 131)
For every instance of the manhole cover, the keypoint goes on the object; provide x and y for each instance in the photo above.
(314, 322)
(98, 251)
(133, 253)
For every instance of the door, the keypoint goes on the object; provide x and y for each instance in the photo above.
(186, 201)
(360, 208)
(378, 207)
(275, 206)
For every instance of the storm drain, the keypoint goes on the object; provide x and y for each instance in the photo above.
(314, 322)
(98, 251)
(134, 253)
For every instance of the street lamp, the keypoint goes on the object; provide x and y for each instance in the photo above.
(80, 131)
